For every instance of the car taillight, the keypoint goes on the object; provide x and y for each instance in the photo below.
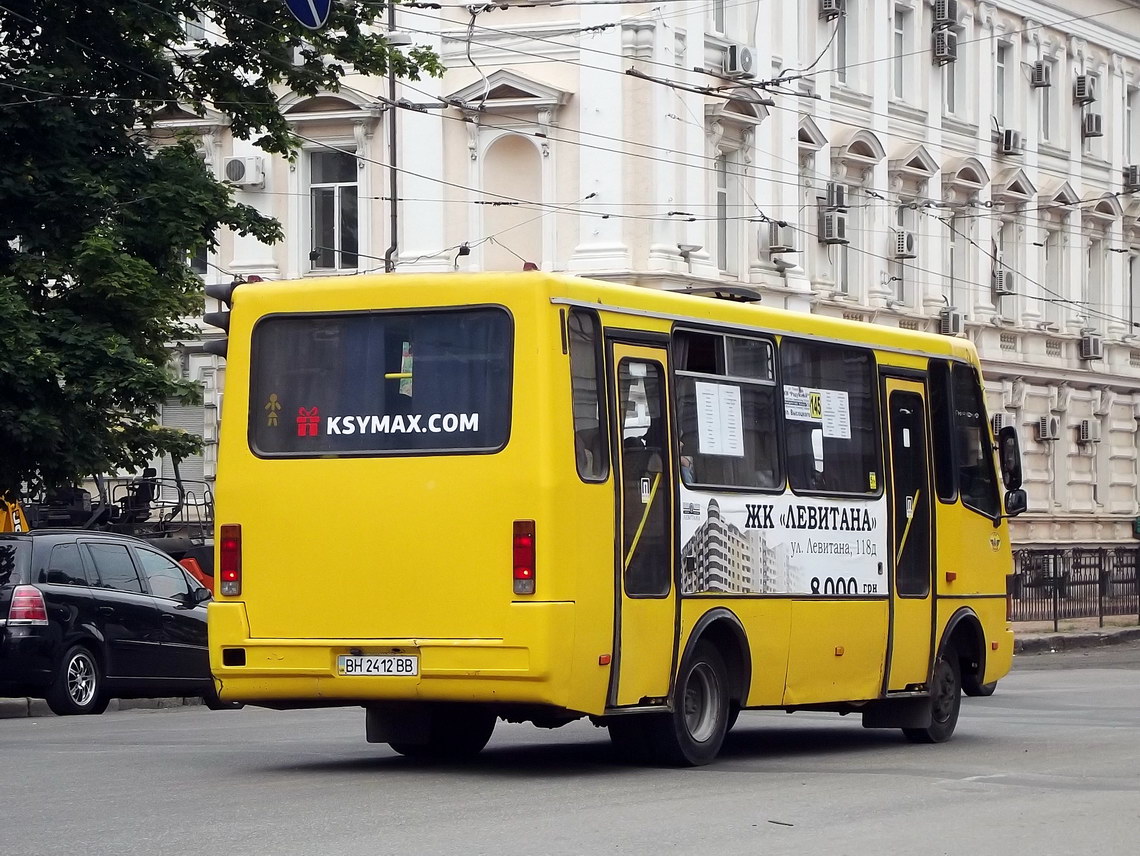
(524, 556)
(27, 607)
(229, 559)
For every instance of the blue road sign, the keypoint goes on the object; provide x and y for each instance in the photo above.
(313, 14)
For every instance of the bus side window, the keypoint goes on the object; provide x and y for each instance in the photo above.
(977, 478)
(590, 452)
(942, 430)
(830, 424)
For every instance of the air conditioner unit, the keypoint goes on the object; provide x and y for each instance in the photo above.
(945, 13)
(781, 238)
(945, 46)
(1048, 428)
(1092, 346)
(999, 421)
(906, 245)
(836, 195)
(830, 9)
(1084, 89)
(1041, 75)
(1092, 125)
(1132, 177)
(951, 322)
(1002, 281)
(833, 227)
(244, 172)
(1011, 143)
(1088, 431)
(739, 61)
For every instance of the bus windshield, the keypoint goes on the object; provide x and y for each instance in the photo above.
(379, 383)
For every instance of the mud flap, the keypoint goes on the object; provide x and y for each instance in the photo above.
(898, 713)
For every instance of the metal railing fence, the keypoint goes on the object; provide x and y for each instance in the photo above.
(1079, 582)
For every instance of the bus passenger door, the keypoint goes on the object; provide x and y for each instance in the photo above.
(646, 612)
(911, 599)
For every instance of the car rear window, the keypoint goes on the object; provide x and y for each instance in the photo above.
(13, 561)
(381, 383)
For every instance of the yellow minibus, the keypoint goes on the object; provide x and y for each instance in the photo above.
(455, 498)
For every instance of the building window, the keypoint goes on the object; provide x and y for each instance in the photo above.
(950, 88)
(1054, 288)
(194, 26)
(1048, 106)
(904, 221)
(1000, 58)
(1131, 131)
(845, 42)
(728, 173)
(954, 270)
(900, 42)
(718, 16)
(334, 210)
(200, 260)
(1094, 307)
(1133, 287)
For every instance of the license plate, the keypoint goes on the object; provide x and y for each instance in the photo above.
(401, 665)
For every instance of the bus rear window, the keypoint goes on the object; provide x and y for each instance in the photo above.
(379, 383)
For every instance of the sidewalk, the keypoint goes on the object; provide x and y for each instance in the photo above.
(16, 708)
(1038, 637)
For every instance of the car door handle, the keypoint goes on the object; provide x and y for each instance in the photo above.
(106, 610)
(166, 616)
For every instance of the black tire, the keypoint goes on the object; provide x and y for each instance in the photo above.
(733, 715)
(78, 686)
(971, 687)
(692, 733)
(455, 733)
(213, 701)
(945, 702)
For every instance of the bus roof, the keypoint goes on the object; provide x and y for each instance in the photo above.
(414, 290)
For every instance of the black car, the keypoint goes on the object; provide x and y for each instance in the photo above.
(86, 617)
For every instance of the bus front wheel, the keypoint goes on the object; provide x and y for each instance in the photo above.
(945, 702)
(692, 734)
(454, 734)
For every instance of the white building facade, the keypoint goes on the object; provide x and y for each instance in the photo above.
(958, 167)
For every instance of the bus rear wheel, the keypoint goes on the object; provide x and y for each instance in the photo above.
(692, 734)
(454, 734)
(945, 702)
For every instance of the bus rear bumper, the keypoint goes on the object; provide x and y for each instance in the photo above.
(304, 672)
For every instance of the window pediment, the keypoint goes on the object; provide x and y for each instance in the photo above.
(1104, 211)
(968, 176)
(811, 137)
(859, 155)
(1058, 195)
(508, 91)
(1014, 187)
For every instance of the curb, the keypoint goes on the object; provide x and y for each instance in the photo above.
(1053, 642)
(18, 708)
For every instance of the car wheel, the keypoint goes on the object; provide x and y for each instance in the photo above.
(78, 686)
(945, 702)
(455, 733)
(692, 734)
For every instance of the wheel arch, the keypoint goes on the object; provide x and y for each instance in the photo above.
(723, 629)
(964, 637)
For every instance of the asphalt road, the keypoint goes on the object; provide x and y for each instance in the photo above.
(1048, 765)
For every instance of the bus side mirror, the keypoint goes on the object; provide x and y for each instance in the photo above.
(1015, 502)
(1009, 454)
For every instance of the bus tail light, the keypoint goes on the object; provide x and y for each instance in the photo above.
(27, 607)
(524, 556)
(229, 556)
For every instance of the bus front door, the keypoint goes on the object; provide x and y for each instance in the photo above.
(646, 612)
(912, 606)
